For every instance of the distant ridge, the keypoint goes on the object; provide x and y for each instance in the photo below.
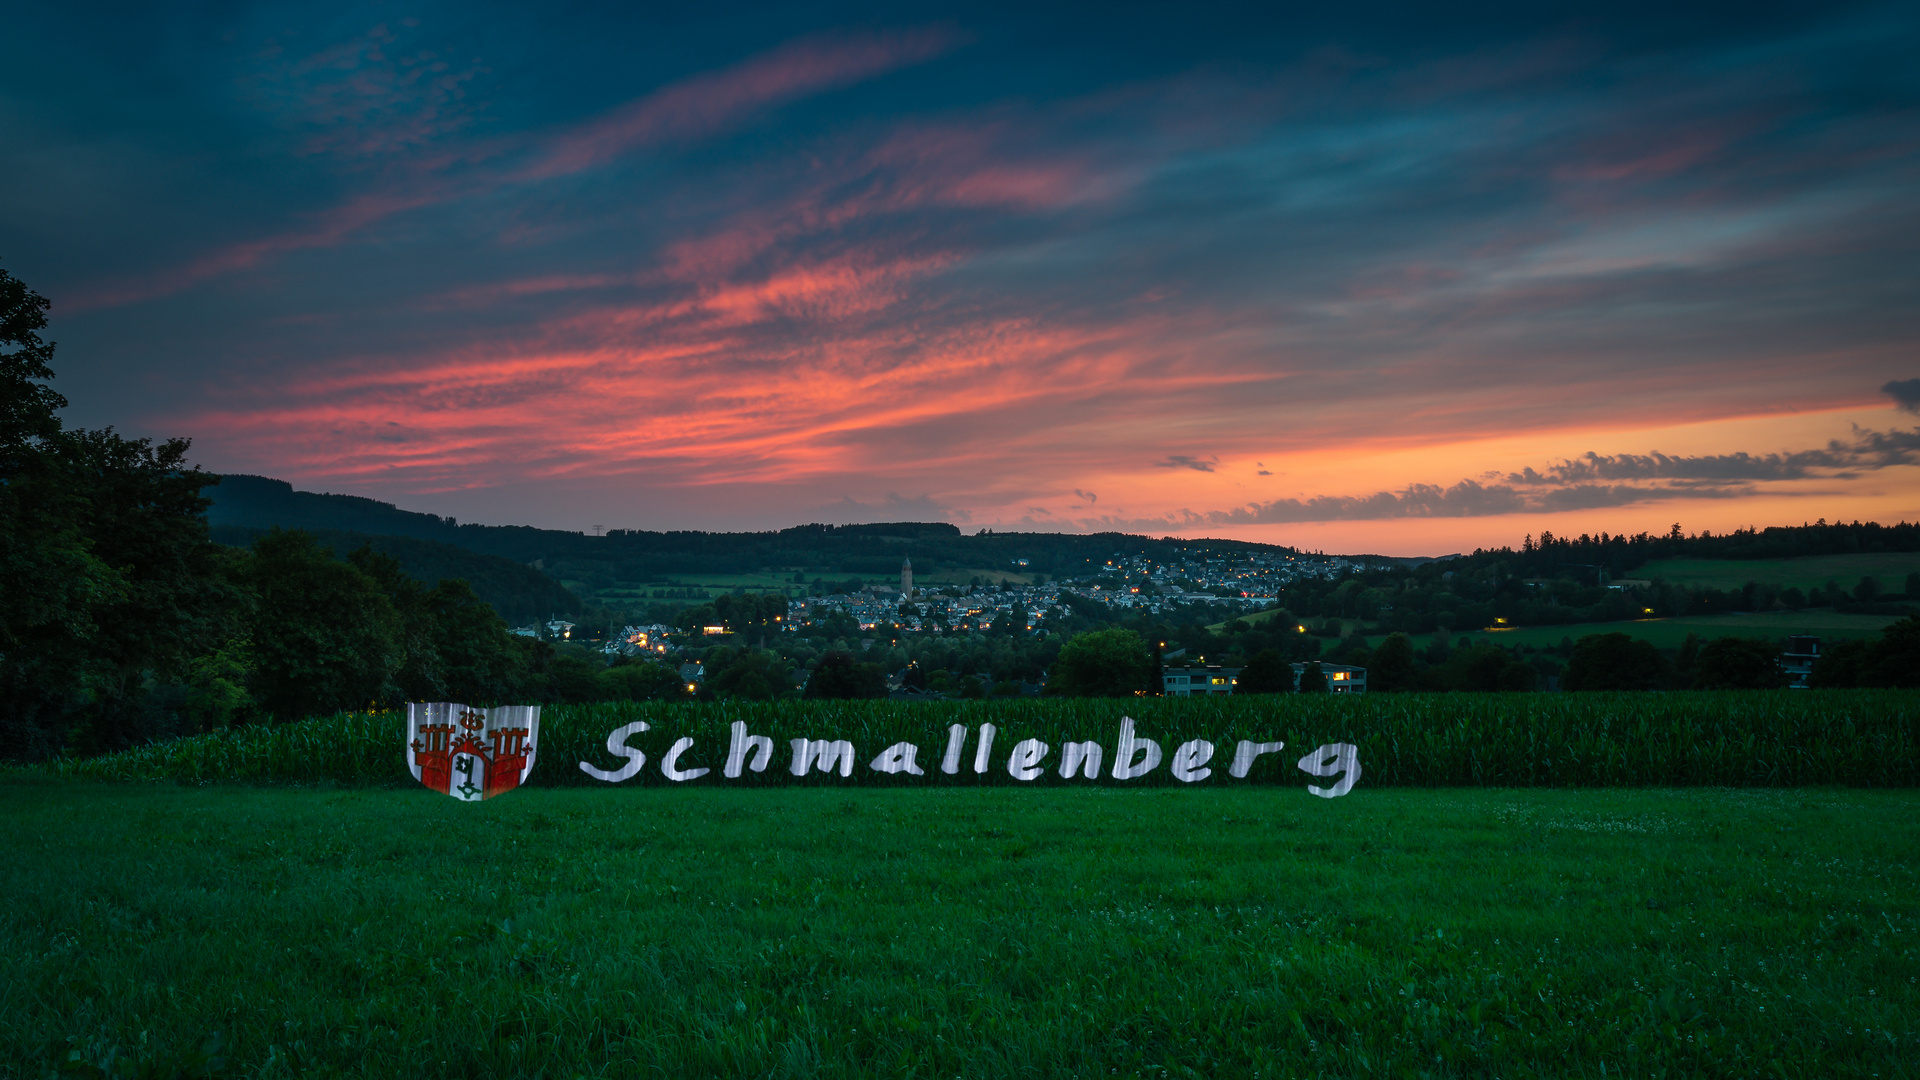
(633, 555)
(520, 593)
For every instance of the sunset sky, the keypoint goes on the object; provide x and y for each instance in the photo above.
(1399, 279)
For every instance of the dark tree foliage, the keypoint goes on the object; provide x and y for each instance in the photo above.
(1102, 663)
(641, 681)
(1266, 672)
(1312, 679)
(1390, 668)
(837, 675)
(751, 614)
(480, 663)
(325, 636)
(107, 578)
(1892, 661)
(1615, 662)
(1484, 668)
(1736, 663)
(28, 407)
(754, 674)
(572, 680)
(518, 592)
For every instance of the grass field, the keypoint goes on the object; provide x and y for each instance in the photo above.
(168, 931)
(1890, 568)
(1670, 633)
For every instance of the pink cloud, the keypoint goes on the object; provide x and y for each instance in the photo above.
(707, 103)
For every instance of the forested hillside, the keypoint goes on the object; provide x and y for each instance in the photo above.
(635, 555)
(518, 592)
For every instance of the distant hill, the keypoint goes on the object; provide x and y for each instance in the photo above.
(519, 593)
(873, 550)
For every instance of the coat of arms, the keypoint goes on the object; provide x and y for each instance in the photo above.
(471, 754)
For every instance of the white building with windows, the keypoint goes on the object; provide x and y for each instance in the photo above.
(1191, 681)
(1340, 678)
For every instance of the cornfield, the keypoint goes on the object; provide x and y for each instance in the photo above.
(1857, 738)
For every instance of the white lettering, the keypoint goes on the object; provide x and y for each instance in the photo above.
(759, 745)
(985, 748)
(617, 746)
(898, 758)
(1124, 766)
(1189, 759)
(956, 741)
(670, 765)
(1333, 759)
(823, 755)
(1074, 755)
(1244, 754)
(1024, 764)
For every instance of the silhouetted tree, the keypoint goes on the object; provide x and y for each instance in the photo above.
(1390, 668)
(1615, 662)
(325, 637)
(836, 675)
(1266, 672)
(1101, 663)
(1736, 663)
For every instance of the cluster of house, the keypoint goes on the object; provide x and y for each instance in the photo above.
(1214, 679)
(1251, 586)
(1251, 581)
(648, 640)
(916, 609)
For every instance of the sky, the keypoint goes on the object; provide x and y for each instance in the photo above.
(1400, 279)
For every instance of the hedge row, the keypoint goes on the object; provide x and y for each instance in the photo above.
(1858, 738)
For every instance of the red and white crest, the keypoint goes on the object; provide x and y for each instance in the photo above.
(471, 754)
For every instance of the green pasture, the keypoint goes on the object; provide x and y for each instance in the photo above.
(1671, 633)
(159, 930)
(714, 584)
(1890, 568)
(962, 575)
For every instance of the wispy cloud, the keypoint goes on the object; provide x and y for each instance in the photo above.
(1905, 394)
(709, 103)
(699, 106)
(1185, 461)
(1595, 481)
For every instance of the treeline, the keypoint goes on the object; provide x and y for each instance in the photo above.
(121, 621)
(1485, 590)
(1620, 554)
(635, 555)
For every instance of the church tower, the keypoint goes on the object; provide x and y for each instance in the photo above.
(906, 579)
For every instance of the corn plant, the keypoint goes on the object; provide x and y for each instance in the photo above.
(1861, 738)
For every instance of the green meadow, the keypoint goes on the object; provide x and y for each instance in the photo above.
(161, 930)
(1672, 633)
